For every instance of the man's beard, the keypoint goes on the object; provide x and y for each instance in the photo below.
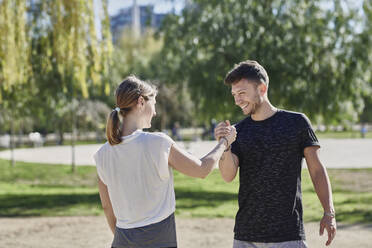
(254, 109)
(255, 106)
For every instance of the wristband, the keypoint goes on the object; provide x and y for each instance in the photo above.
(329, 214)
(227, 142)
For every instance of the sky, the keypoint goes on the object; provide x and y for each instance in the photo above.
(160, 6)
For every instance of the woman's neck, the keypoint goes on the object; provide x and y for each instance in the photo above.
(130, 125)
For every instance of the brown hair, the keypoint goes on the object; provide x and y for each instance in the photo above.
(250, 70)
(126, 96)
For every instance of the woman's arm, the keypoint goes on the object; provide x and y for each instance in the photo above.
(191, 166)
(106, 205)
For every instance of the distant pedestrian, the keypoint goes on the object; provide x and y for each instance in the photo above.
(213, 126)
(176, 131)
(363, 130)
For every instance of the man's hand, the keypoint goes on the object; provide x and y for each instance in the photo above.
(329, 223)
(222, 129)
(231, 136)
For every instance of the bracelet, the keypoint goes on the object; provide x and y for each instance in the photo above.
(227, 142)
(227, 149)
(329, 214)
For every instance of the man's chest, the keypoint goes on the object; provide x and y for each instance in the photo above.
(270, 141)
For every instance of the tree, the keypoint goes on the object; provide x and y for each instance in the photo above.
(141, 56)
(364, 54)
(15, 67)
(70, 64)
(306, 48)
(106, 49)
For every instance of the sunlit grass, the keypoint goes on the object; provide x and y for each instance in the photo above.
(30, 189)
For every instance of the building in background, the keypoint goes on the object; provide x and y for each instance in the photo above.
(137, 17)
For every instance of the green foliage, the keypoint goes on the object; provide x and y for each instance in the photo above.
(307, 49)
(132, 54)
(106, 49)
(366, 115)
(364, 55)
(141, 57)
(69, 63)
(15, 69)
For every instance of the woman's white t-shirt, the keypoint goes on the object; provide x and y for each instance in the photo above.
(138, 178)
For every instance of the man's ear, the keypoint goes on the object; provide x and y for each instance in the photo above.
(262, 89)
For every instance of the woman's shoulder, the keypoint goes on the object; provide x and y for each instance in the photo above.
(102, 150)
(159, 134)
(156, 136)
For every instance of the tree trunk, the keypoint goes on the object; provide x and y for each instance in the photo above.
(73, 141)
(12, 143)
(60, 133)
(20, 137)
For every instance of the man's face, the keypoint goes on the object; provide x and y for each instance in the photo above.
(247, 96)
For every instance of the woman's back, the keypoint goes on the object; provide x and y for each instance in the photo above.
(138, 178)
(135, 177)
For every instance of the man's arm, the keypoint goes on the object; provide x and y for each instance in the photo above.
(229, 162)
(323, 189)
(106, 205)
(228, 166)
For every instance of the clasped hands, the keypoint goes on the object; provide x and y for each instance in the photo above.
(225, 130)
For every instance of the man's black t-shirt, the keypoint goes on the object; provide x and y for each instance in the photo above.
(270, 156)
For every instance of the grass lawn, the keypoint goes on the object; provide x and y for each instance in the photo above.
(342, 135)
(51, 190)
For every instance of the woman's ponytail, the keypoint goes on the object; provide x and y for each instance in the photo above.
(126, 95)
(113, 131)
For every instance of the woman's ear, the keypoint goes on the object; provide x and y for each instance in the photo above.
(141, 101)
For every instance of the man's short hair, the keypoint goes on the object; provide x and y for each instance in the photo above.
(250, 70)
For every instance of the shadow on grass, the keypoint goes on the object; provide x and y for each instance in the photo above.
(356, 216)
(358, 200)
(60, 186)
(23, 205)
(42, 205)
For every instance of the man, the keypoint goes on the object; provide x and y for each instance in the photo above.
(268, 151)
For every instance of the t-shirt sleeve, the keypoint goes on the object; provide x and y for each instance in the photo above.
(308, 137)
(235, 148)
(164, 143)
(99, 165)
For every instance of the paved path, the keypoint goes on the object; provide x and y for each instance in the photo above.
(335, 153)
(93, 231)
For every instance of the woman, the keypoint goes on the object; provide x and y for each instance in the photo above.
(135, 170)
